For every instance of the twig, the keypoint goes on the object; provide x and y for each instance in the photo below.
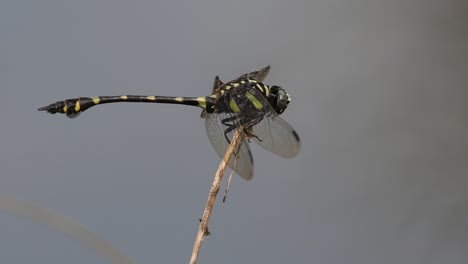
(229, 180)
(203, 227)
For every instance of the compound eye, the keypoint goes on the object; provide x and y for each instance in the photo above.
(274, 89)
(282, 103)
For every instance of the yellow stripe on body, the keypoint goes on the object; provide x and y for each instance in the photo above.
(151, 98)
(77, 106)
(260, 88)
(179, 99)
(96, 100)
(256, 103)
(201, 102)
(264, 87)
(65, 108)
(123, 97)
(234, 107)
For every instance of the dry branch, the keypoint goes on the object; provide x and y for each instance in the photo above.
(203, 227)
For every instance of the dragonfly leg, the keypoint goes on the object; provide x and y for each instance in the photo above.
(249, 127)
(231, 125)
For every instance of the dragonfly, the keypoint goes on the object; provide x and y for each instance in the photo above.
(245, 103)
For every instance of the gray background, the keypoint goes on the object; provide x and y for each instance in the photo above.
(379, 100)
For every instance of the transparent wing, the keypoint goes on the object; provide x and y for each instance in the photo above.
(242, 161)
(276, 135)
(272, 132)
(257, 75)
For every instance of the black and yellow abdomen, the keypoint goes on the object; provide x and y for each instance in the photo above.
(72, 107)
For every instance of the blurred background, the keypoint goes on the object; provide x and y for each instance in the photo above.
(379, 100)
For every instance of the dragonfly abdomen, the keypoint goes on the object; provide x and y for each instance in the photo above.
(72, 107)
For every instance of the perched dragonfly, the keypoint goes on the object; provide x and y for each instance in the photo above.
(244, 103)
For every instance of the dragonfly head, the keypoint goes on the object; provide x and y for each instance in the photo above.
(279, 98)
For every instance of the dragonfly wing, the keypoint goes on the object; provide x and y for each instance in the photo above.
(241, 161)
(272, 132)
(276, 135)
(258, 75)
